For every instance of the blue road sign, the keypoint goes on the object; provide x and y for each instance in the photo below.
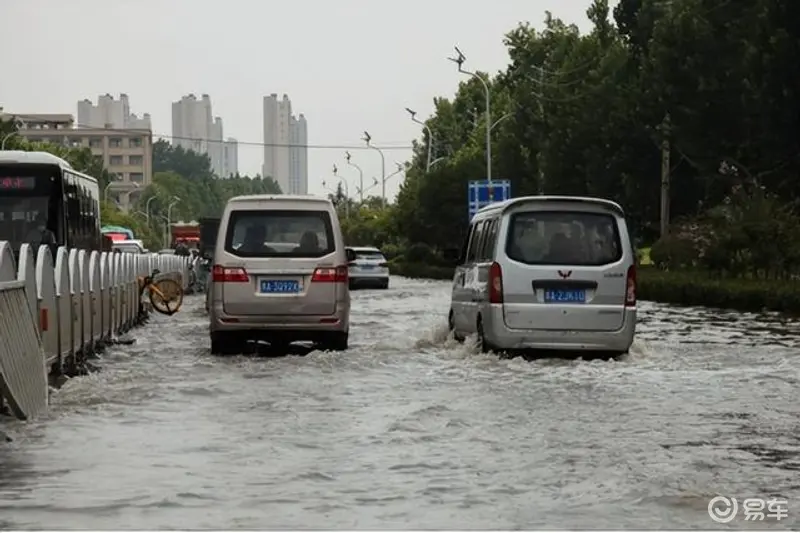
(478, 194)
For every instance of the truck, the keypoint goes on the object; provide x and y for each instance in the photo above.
(187, 233)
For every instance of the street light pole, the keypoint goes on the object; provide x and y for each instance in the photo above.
(460, 61)
(19, 123)
(499, 120)
(360, 175)
(430, 136)
(169, 217)
(367, 139)
(147, 208)
(374, 184)
(5, 138)
(105, 191)
(346, 191)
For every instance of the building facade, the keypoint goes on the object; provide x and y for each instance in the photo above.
(111, 114)
(285, 146)
(126, 154)
(195, 128)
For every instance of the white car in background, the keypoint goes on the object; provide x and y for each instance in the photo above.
(369, 269)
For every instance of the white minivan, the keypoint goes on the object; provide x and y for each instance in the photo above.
(279, 274)
(547, 273)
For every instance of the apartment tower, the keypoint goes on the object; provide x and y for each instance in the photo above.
(194, 127)
(285, 146)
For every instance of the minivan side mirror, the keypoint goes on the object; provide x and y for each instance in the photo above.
(451, 254)
(351, 254)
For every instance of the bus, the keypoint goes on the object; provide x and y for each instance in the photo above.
(43, 200)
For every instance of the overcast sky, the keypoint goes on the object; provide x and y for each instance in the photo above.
(348, 65)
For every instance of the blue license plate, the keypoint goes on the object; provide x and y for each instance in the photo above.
(367, 267)
(565, 296)
(277, 286)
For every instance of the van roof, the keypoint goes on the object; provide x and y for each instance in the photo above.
(280, 198)
(514, 202)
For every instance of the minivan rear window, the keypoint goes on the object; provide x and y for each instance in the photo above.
(563, 238)
(268, 233)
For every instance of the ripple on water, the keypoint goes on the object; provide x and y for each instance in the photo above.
(410, 429)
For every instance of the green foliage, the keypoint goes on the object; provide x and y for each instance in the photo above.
(391, 251)
(419, 253)
(584, 115)
(674, 251)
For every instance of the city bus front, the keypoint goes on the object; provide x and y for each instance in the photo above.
(31, 206)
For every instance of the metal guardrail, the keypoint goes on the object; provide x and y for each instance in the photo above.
(55, 311)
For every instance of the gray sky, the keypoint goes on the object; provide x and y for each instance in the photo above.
(348, 65)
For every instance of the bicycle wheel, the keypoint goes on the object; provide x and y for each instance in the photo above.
(168, 296)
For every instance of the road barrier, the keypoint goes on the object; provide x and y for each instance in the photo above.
(56, 312)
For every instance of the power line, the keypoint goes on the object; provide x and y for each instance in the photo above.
(78, 127)
(281, 145)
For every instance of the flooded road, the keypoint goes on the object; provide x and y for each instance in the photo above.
(410, 430)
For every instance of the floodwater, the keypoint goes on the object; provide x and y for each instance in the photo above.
(410, 430)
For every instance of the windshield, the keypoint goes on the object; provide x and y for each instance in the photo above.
(564, 238)
(279, 234)
(24, 220)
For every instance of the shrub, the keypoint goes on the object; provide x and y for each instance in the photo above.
(674, 251)
(420, 270)
(700, 289)
(420, 253)
(390, 251)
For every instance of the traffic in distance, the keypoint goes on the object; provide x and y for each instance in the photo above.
(548, 273)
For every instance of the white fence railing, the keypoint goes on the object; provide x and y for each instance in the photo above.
(54, 311)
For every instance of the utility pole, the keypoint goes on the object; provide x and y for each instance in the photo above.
(540, 163)
(665, 130)
(430, 136)
(459, 60)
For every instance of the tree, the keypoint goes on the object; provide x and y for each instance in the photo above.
(585, 111)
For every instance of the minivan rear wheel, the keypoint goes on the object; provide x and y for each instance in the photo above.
(226, 344)
(484, 345)
(452, 327)
(337, 342)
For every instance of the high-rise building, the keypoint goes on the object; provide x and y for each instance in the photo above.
(298, 155)
(285, 146)
(230, 157)
(195, 128)
(110, 113)
(215, 147)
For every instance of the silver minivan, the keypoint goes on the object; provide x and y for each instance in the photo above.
(547, 273)
(279, 274)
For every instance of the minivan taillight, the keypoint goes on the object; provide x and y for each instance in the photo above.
(330, 275)
(495, 284)
(221, 274)
(630, 287)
